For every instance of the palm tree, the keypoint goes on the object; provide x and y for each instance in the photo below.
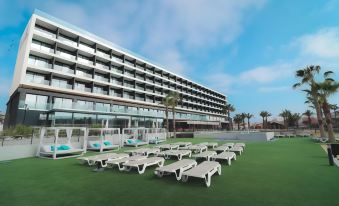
(238, 120)
(327, 89)
(334, 107)
(307, 77)
(243, 117)
(248, 116)
(228, 108)
(167, 103)
(264, 115)
(174, 99)
(308, 113)
(267, 115)
(295, 118)
(285, 114)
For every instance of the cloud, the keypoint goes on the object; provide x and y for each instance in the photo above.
(266, 74)
(164, 31)
(322, 44)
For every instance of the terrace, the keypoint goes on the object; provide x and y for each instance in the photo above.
(284, 172)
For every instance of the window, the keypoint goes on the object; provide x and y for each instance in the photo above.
(63, 118)
(84, 119)
(62, 103)
(102, 107)
(36, 101)
(84, 105)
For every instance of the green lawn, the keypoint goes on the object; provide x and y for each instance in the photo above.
(282, 172)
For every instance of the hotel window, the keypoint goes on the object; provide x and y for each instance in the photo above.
(36, 101)
(67, 39)
(84, 105)
(84, 119)
(118, 108)
(62, 103)
(102, 107)
(85, 59)
(63, 67)
(65, 53)
(63, 118)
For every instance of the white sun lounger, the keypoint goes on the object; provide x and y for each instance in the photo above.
(205, 155)
(209, 144)
(240, 144)
(141, 165)
(237, 149)
(167, 154)
(230, 144)
(183, 144)
(225, 156)
(197, 148)
(120, 162)
(167, 146)
(143, 151)
(222, 148)
(101, 161)
(91, 160)
(177, 168)
(204, 170)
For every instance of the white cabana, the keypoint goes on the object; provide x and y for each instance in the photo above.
(156, 135)
(134, 136)
(62, 142)
(101, 139)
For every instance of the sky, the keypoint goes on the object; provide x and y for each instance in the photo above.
(248, 50)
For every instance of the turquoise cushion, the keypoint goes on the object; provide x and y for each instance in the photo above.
(52, 148)
(96, 145)
(138, 140)
(64, 147)
(130, 141)
(107, 143)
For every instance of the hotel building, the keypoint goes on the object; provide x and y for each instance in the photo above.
(67, 76)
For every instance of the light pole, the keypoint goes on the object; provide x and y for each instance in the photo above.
(26, 108)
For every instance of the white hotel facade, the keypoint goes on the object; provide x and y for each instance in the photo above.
(67, 76)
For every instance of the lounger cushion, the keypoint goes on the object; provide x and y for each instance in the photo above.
(130, 141)
(107, 143)
(96, 145)
(64, 147)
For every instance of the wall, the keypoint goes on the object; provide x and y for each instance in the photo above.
(264, 136)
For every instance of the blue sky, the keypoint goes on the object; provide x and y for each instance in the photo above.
(246, 49)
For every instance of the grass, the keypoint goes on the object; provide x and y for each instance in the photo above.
(282, 172)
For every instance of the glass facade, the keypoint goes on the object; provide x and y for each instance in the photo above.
(36, 101)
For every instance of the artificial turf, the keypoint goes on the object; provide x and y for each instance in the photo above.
(282, 172)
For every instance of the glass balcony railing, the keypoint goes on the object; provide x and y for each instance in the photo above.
(44, 32)
(61, 85)
(99, 78)
(85, 61)
(67, 41)
(83, 89)
(63, 69)
(40, 64)
(37, 81)
(66, 55)
(102, 108)
(86, 48)
(83, 74)
(100, 53)
(99, 91)
(140, 88)
(117, 59)
(102, 66)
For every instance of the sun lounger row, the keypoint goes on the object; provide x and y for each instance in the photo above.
(184, 169)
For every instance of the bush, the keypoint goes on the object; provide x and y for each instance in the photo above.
(18, 130)
(96, 126)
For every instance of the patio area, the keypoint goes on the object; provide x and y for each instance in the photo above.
(283, 172)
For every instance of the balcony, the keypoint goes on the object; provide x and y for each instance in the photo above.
(82, 89)
(37, 81)
(65, 55)
(63, 69)
(85, 61)
(86, 48)
(102, 66)
(67, 41)
(44, 32)
(102, 54)
(83, 74)
(100, 78)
